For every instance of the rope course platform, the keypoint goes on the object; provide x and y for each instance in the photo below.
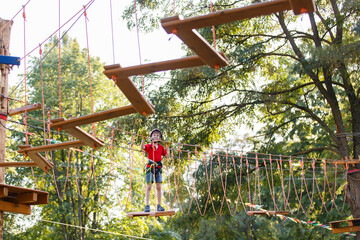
(129, 89)
(351, 225)
(29, 108)
(151, 214)
(251, 213)
(19, 200)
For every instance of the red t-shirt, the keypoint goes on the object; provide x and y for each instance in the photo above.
(155, 154)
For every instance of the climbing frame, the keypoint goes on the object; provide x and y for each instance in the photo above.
(19, 200)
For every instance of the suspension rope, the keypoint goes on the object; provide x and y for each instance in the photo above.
(139, 49)
(112, 31)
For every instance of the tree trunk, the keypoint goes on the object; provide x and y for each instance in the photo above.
(4, 71)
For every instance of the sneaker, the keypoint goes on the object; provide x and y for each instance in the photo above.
(147, 208)
(160, 208)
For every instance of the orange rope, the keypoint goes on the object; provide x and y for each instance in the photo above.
(139, 49)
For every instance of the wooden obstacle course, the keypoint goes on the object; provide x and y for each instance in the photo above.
(351, 225)
(251, 213)
(19, 200)
(231, 15)
(151, 214)
(131, 92)
(37, 158)
(186, 62)
(29, 108)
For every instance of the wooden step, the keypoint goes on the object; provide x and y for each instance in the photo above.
(53, 147)
(267, 213)
(19, 200)
(38, 159)
(151, 214)
(85, 137)
(20, 110)
(92, 118)
(351, 225)
(132, 93)
(187, 62)
(231, 15)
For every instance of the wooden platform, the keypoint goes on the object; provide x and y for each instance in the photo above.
(151, 214)
(20, 110)
(37, 158)
(235, 14)
(267, 213)
(19, 200)
(91, 118)
(352, 225)
(186, 62)
(18, 164)
(138, 101)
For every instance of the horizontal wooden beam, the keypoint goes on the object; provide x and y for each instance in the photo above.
(91, 118)
(4, 191)
(23, 195)
(178, 24)
(20, 110)
(267, 212)
(129, 89)
(186, 62)
(17, 164)
(15, 207)
(38, 159)
(27, 197)
(52, 147)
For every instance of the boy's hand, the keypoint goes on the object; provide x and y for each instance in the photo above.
(143, 133)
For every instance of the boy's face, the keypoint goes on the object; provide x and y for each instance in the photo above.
(156, 136)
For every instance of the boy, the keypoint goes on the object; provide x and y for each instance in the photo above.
(155, 152)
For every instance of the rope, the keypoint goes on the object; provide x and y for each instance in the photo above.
(139, 49)
(59, 46)
(112, 31)
(21, 10)
(25, 79)
(91, 229)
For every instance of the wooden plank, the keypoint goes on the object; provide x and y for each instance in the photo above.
(53, 147)
(96, 117)
(202, 48)
(187, 62)
(350, 225)
(4, 191)
(27, 197)
(42, 199)
(178, 24)
(85, 137)
(18, 164)
(20, 110)
(139, 102)
(346, 229)
(15, 207)
(151, 214)
(38, 159)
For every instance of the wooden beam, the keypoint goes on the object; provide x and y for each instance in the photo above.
(151, 214)
(96, 117)
(202, 48)
(186, 62)
(4, 191)
(139, 102)
(18, 164)
(85, 137)
(52, 147)
(38, 159)
(15, 207)
(350, 225)
(177, 24)
(20, 110)
(27, 198)
(42, 199)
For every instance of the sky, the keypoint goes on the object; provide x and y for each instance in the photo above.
(43, 17)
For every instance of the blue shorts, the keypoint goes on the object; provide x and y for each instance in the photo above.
(150, 177)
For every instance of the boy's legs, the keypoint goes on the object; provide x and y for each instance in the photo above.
(158, 191)
(147, 193)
